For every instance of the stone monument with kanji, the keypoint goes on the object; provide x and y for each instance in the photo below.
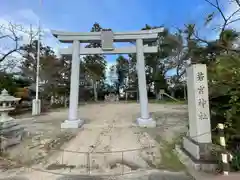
(197, 143)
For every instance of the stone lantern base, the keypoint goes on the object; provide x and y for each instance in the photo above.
(11, 133)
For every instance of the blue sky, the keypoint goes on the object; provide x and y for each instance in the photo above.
(119, 15)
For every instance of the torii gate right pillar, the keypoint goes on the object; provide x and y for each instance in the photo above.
(145, 120)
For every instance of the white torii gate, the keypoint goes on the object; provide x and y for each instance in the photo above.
(106, 38)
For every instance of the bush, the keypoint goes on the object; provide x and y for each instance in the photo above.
(235, 163)
(224, 91)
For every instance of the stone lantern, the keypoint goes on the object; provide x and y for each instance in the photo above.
(10, 132)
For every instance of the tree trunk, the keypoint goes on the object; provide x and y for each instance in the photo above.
(65, 101)
(185, 92)
(95, 90)
(156, 94)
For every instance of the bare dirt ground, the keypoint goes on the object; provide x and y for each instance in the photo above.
(110, 142)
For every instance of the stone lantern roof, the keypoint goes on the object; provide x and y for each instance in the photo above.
(5, 97)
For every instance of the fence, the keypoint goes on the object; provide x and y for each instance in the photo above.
(90, 163)
(120, 160)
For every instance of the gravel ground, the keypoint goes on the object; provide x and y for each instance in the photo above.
(110, 140)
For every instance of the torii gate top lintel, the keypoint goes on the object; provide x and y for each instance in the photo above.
(107, 38)
(88, 37)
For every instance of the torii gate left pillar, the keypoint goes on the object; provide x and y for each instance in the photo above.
(73, 121)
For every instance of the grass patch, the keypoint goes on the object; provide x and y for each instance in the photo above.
(169, 160)
(166, 102)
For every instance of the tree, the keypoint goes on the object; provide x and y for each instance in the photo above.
(132, 72)
(50, 66)
(11, 39)
(171, 55)
(122, 69)
(222, 59)
(158, 64)
(95, 65)
(225, 32)
(10, 82)
(6, 34)
(224, 86)
(227, 19)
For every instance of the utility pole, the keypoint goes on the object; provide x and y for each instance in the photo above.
(36, 107)
(38, 60)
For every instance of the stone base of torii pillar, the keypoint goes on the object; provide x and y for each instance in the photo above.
(149, 122)
(72, 124)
